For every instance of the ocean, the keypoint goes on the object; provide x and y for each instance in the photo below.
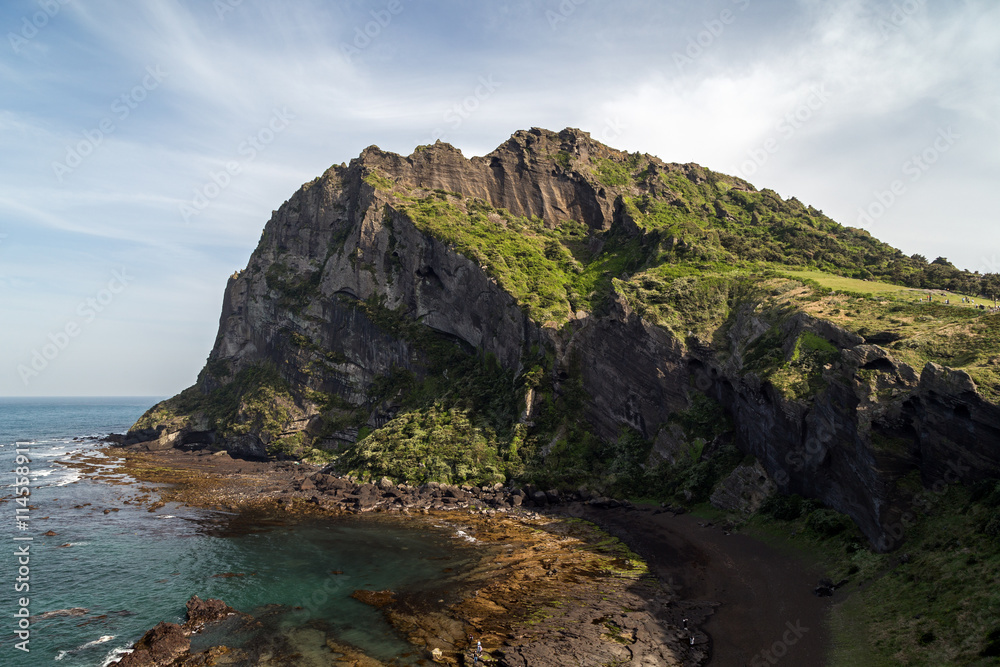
(113, 569)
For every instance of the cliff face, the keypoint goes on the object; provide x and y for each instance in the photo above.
(343, 270)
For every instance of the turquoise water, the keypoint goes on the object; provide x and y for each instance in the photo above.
(131, 568)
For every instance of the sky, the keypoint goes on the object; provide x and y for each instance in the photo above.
(145, 144)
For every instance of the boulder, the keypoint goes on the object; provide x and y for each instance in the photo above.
(200, 612)
(744, 490)
(158, 648)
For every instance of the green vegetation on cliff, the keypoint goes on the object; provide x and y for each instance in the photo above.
(548, 270)
(456, 417)
(428, 445)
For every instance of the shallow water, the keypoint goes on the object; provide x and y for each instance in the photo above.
(132, 568)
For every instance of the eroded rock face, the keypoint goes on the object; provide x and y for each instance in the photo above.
(341, 240)
(521, 175)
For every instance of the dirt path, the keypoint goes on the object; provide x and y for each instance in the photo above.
(766, 611)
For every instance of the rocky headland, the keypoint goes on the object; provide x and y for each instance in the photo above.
(561, 321)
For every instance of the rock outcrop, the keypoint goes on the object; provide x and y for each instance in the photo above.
(166, 643)
(343, 251)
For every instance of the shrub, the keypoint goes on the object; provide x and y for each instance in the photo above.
(827, 522)
(784, 508)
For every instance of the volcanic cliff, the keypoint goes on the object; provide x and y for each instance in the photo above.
(558, 292)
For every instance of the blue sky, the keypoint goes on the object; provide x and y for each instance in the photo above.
(145, 144)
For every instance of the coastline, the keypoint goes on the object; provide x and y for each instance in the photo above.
(549, 588)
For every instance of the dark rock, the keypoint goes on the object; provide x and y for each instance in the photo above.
(75, 611)
(158, 648)
(200, 612)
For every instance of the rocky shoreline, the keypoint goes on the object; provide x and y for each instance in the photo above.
(548, 590)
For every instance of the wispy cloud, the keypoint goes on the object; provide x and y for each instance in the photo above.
(895, 72)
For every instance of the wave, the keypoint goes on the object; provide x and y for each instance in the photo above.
(100, 640)
(69, 479)
(465, 536)
(115, 655)
(97, 642)
(52, 453)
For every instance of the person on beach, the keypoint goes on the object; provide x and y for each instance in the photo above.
(479, 648)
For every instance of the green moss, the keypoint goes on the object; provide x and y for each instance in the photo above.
(611, 173)
(705, 419)
(161, 413)
(297, 446)
(295, 290)
(378, 181)
(516, 251)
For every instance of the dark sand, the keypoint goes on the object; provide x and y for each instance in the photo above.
(761, 592)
